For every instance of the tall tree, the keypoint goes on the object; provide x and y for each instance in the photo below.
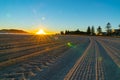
(119, 30)
(108, 27)
(99, 30)
(77, 31)
(67, 32)
(62, 33)
(88, 30)
(119, 26)
(93, 30)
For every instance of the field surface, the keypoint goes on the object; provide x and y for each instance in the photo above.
(56, 57)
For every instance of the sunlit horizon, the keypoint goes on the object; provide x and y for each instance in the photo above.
(58, 15)
(41, 32)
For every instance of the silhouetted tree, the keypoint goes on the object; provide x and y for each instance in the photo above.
(119, 26)
(62, 33)
(108, 29)
(119, 30)
(99, 30)
(92, 31)
(67, 32)
(77, 31)
(88, 30)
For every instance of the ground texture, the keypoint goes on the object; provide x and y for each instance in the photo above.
(55, 57)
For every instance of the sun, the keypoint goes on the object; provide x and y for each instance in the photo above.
(41, 32)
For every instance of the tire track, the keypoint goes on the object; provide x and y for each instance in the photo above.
(72, 74)
(89, 66)
(112, 52)
(23, 58)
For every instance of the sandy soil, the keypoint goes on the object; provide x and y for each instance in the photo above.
(55, 57)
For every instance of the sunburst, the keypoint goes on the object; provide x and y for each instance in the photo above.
(41, 32)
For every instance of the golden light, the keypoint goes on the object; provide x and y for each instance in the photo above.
(41, 32)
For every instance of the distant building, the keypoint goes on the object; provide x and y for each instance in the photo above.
(116, 32)
(104, 34)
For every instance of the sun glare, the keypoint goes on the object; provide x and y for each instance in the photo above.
(41, 32)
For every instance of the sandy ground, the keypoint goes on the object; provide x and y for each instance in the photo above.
(30, 57)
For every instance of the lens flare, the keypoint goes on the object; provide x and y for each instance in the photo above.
(69, 44)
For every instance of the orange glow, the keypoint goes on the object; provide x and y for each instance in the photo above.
(41, 32)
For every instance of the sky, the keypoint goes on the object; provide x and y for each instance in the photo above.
(58, 15)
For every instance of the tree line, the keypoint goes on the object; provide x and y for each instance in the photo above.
(91, 31)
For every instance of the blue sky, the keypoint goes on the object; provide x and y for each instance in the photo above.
(57, 15)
